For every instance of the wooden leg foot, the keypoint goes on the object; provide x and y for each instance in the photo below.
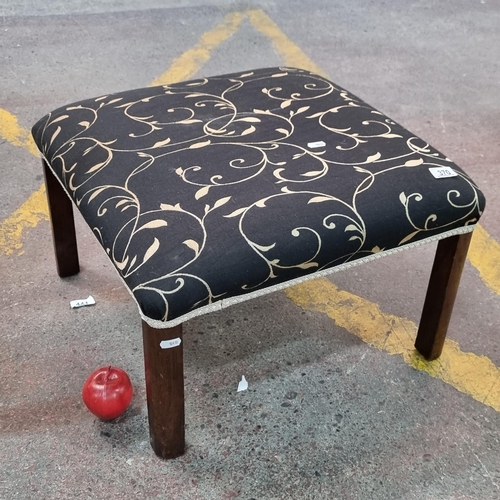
(163, 359)
(63, 226)
(441, 293)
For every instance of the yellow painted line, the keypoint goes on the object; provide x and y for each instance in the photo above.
(474, 375)
(291, 53)
(484, 255)
(186, 65)
(35, 209)
(28, 215)
(484, 252)
(471, 374)
(11, 131)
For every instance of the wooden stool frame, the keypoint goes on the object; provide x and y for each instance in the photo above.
(164, 367)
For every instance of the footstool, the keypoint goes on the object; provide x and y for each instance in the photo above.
(214, 191)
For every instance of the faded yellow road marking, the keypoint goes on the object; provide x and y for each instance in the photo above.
(484, 252)
(14, 133)
(291, 53)
(484, 255)
(28, 215)
(35, 209)
(474, 375)
(471, 374)
(186, 65)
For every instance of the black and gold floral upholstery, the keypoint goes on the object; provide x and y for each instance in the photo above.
(209, 192)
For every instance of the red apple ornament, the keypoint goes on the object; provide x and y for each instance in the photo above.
(107, 392)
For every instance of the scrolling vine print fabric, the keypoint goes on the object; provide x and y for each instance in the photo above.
(206, 192)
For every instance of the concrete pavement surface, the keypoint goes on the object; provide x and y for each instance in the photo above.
(338, 404)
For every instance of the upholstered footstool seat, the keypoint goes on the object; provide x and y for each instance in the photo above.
(210, 192)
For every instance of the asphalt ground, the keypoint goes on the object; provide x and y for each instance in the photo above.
(339, 406)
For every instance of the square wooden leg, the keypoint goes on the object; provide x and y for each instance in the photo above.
(63, 225)
(163, 359)
(441, 293)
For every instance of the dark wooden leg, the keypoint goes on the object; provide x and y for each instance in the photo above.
(165, 389)
(63, 226)
(441, 293)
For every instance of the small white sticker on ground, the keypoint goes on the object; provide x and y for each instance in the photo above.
(243, 385)
(89, 301)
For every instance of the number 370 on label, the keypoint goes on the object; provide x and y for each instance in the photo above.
(442, 172)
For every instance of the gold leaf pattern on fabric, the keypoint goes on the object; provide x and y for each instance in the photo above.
(211, 189)
(153, 224)
(193, 245)
(151, 250)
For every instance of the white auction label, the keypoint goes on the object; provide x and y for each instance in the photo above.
(89, 301)
(442, 172)
(168, 344)
(317, 144)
